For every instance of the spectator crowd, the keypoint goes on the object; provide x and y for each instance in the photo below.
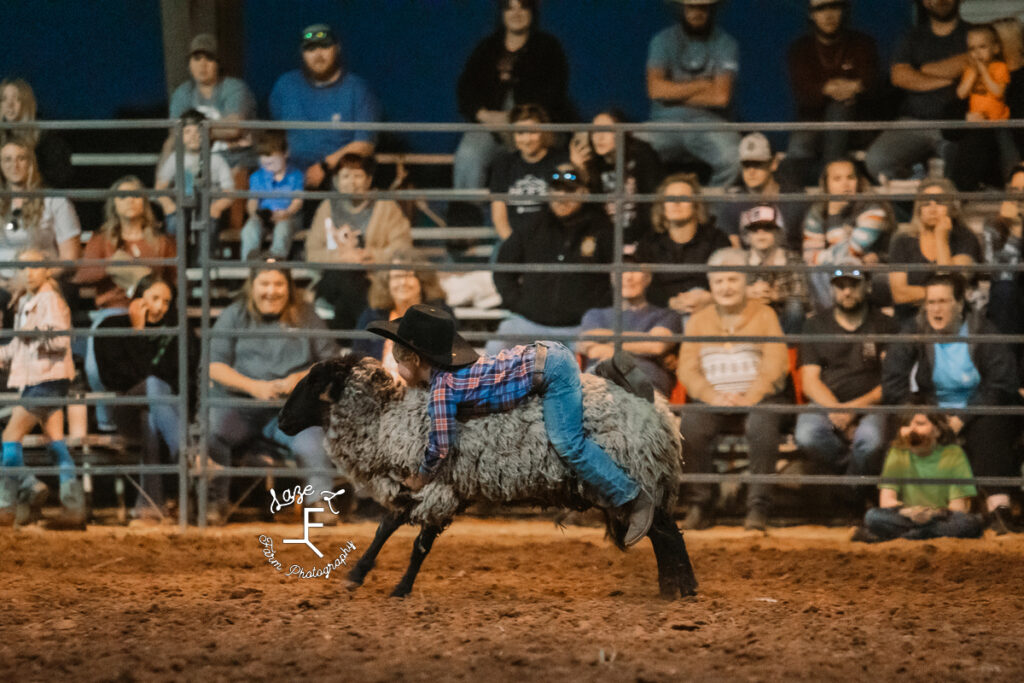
(720, 203)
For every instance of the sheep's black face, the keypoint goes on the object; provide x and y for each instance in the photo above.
(322, 386)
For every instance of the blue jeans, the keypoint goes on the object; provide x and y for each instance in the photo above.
(804, 144)
(158, 424)
(517, 324)
(888, 523)
(562, 396)
(718, 150)
(104, 416)
(281, 241)
(233, 427)
(818, 439)
(473, 157)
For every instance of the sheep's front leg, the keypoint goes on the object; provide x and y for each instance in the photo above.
(420, 549)
(388, 525)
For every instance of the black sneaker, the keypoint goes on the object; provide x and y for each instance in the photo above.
(864, 535)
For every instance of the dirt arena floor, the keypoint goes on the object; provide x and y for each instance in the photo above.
(503, 600)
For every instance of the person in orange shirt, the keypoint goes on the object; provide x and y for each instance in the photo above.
(986, 76)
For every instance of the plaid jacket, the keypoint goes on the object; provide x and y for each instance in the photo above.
(493, 384)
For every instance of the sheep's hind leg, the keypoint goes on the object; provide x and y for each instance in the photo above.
(388, 525)
(675, 573)
(420, 549)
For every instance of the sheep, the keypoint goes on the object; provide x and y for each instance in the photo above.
(376, 433)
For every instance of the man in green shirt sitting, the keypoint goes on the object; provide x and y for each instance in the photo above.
(925, 449)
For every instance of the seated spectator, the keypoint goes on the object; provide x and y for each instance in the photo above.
(984, 84)
(546, 305)
(691, 74)
(760, 186)
(264, 368)
(526, 172)
(145, 366)
(220, 176)
(516, 64)
(1002, 246)
(937, 236)
(954, 375)
(47, 223)
(39, 368)
(845, 231)
(281, 215)
(784, 290)
(129, 232)
(18, 105)
(392, 292)
(219, 98)
(640, 322)
(926, 66)
(595, 155)
(925, 449)
(680, 233)
(353, 229)
(844, 376)
(740, 375)
(833, 73)
(322, 90)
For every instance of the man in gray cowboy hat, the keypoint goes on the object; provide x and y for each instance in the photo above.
(430, 353)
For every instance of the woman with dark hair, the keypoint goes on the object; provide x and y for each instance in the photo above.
(517, 64)
(145, 366)
(844, 231)
(264, 368)
(392, 292)
(938, 236)
(955, 375)
(595, 154)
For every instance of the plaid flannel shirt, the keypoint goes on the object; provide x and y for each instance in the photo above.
(493, 384)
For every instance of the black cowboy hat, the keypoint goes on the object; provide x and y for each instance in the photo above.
(430, 332)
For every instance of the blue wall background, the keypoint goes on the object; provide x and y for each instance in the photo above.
(92, 59)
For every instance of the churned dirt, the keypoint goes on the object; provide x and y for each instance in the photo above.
(502, 600)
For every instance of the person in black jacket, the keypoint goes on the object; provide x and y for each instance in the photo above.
(145, 366)
(517, 64)
(957, 375)
(566, 231)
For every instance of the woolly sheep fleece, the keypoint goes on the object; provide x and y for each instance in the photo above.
(377, 433)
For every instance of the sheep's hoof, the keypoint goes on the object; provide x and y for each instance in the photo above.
(400, 592)
(353, 585)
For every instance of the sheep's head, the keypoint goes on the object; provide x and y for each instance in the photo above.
(307, 405)
(325, 385)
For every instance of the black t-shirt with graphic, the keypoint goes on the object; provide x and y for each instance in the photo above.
(514, 175)
(848, 369)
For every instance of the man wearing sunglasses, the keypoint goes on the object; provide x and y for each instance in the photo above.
(323, 91)
(844, 376)
(549, 304)
(691, 70)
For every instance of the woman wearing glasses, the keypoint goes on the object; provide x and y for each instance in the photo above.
(936, 236)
